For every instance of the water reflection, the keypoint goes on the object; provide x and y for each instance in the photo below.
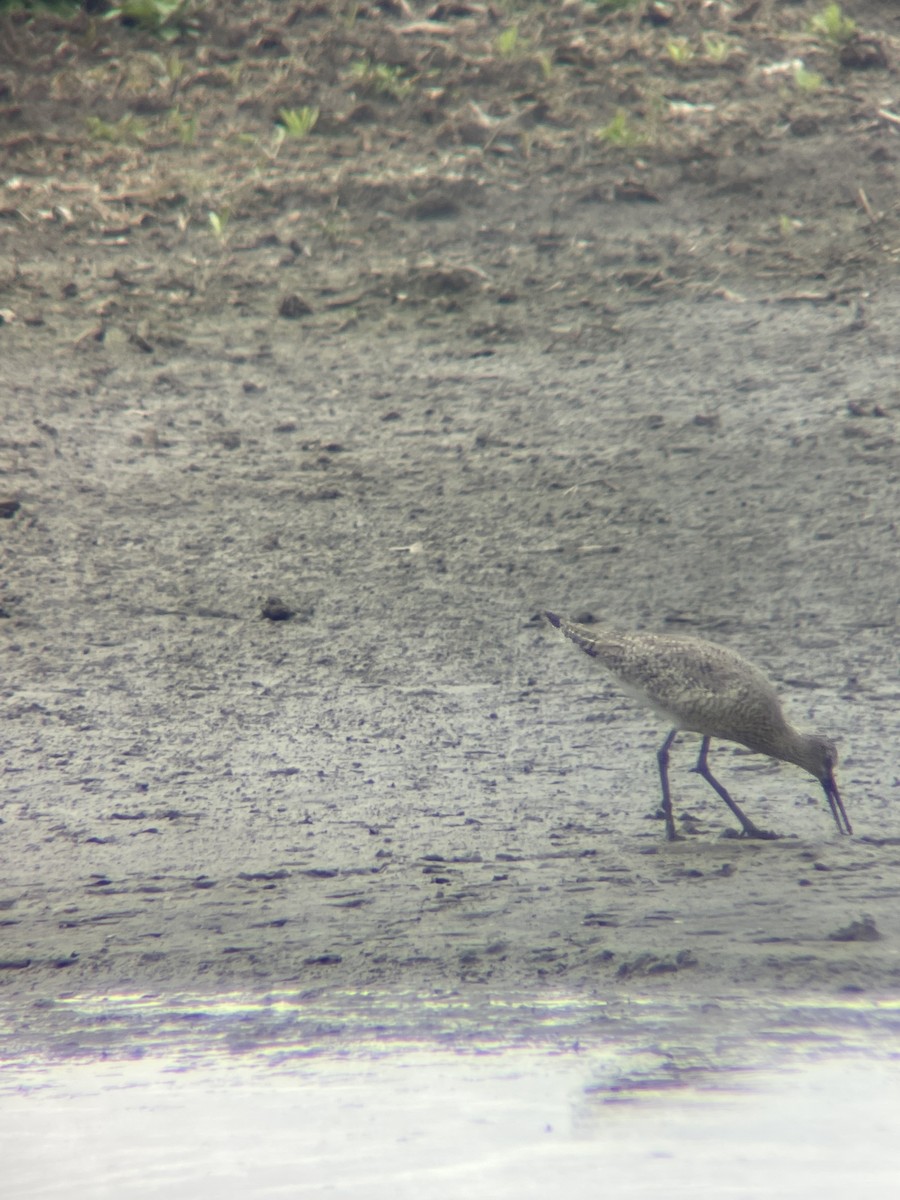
(371, 1094)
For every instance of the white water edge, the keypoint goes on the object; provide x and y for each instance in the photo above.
(359, 1097)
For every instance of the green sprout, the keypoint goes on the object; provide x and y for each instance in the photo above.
(184, 126)
(788, 226)
(832, 25)
(174, 68)
(610, 6)
(715, 48)
(298, 122)
(218, 223)
(380, 80)
(63, 8)
(619, 131)
(127, 129)
(807, 81)
(679, 50)
(508, 42)
(166, 18)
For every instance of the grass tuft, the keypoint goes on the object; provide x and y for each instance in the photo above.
(832, 25)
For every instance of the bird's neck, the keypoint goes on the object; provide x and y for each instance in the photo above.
(800, 748)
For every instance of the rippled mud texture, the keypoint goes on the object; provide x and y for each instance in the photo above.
(286, 492)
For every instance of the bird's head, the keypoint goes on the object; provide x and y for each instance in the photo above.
(820, 757)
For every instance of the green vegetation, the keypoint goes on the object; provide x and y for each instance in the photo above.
(298, 122)
(807, 81)
(166, 18)
(218, 223)
(185, 127)
(620, 131)
(715, 48)
(64, 8)
(507, 43)
(832, 25)
(172, 67)
(611, 6)
(788, 226)
(679, 50)
(378, 79)
(128, 129)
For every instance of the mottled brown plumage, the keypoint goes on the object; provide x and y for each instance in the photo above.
(708, 689)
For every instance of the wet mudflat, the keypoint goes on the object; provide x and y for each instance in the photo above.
(413, 781)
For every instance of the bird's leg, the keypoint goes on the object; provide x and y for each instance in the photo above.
(747, 825)
(662, 757)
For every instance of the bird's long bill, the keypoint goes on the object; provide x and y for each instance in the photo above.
(836, 804)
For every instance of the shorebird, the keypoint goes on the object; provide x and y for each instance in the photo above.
(703, 688)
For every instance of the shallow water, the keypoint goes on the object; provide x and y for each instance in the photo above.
(367, 1095)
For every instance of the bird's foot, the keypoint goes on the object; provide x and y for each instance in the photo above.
(754, 832)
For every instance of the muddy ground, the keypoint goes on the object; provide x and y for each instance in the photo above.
(600, 317)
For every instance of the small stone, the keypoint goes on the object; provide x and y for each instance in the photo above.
(293, 307)
(857, 931)
(275, 609)
(863, 54)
